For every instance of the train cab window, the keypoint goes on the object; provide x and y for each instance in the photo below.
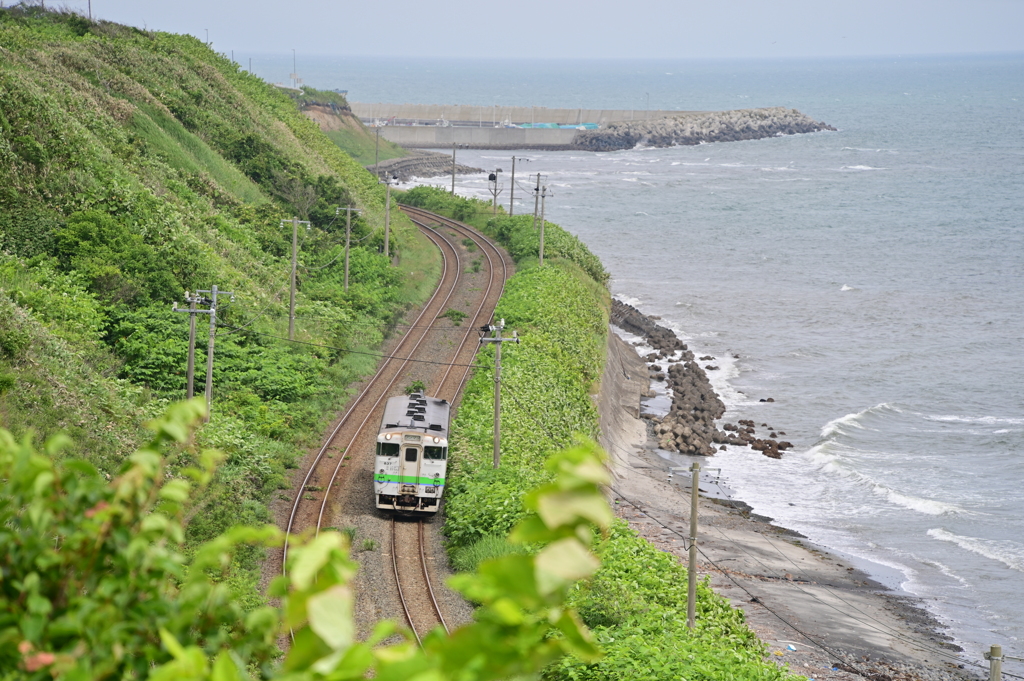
(435, 453)
(387, 449)
(410, 453)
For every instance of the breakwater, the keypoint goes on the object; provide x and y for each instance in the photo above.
(676, 129)
(699, 128)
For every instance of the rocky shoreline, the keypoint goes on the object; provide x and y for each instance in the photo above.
(423, 164)
(699, 128)
(819, 614)
(689, 427)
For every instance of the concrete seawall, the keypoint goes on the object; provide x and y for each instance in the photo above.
(489, 116)
(435, 137)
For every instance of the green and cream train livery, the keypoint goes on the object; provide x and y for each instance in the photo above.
(412, 454)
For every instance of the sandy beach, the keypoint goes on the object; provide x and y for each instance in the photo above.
(819, 614)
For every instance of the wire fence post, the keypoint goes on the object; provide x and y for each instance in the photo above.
(691, 591)
(995, 663)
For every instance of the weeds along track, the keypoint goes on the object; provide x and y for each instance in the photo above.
(412, 577)
(336, 487)
(500, 267)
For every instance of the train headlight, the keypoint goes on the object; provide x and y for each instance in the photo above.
(437, 439)
(387, 436)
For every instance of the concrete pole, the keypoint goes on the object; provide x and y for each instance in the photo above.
(691, 591)
(543, 195)
(387, 221)
(995, 661)
(512, 189)
(497, 394)
(376, 149)
(190, 392)
(348, 239)
(291, 298)
(209, 352)
(453, 163)
(536, 202)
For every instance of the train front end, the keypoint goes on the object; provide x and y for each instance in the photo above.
(412, 455)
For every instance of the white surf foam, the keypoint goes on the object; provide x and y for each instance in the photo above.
(991, 420)
(836, 426)
(1009, 553)
(847, 288)
(860, 168)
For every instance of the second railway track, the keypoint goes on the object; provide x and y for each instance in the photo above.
(336, 487)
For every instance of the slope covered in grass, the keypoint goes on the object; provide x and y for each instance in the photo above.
(137, 165)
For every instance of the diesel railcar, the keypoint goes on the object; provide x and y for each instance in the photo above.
(412, 454)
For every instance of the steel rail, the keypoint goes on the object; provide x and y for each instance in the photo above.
(426, 576)
(488, 248)
(371, 384)
(383, 394)
(398, 581)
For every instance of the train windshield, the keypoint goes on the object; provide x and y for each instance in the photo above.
(387, 449)
(410, 453)
(437, 453)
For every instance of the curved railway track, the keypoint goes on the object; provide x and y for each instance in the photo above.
(446, 371)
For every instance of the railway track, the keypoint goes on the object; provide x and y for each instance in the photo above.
(337, 469)
(412, 576)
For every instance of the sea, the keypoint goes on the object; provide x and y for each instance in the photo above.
(869, 280)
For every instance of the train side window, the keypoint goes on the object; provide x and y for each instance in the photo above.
(410, 453)
(435, 453)
(387, 449)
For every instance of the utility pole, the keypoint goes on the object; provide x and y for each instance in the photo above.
(453, 163)
(387, 215)
(348, 236)
(376, 149)
(212, 302)
(536, 202)
(543, 195)
(191, 372)
(295, 258)
(512, 188)
(691, 591)
(496, 329)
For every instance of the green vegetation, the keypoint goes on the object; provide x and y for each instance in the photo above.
(636, 602)
(96, 584)
(136, 165)
(456, 316)
(474, 212)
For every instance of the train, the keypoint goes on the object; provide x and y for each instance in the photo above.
(412, 454)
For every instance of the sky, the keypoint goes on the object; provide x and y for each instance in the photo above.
(670, 29)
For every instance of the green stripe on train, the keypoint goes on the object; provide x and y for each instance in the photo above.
(406, 479)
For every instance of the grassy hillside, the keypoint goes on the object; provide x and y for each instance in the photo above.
(136, 165)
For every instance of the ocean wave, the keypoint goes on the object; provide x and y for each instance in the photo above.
(992, 420)
(861, 168)
(835, 426)
(848, 288)
(919, 504)
(1009, 553)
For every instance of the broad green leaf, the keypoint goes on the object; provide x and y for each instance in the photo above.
(563, 561)
(330, 616)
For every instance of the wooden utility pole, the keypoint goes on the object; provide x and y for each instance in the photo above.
(543, 195)
(453, 163)
(691, 591)
(496, 329)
